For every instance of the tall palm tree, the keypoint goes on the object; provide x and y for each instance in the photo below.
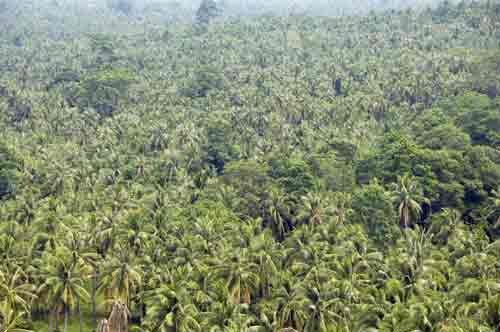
(312, 211)
(85, 259)
(10, 319)
(45, 237)
(240, 277)
(169, 310)
(265, 255)
(63, 283)
(16, 291)
(413, 260)
(494, 211)
(341, 206)
(122, 276)
(291, 307)
(221, 315)
(444, 225)
(9, 250)
(407, 195)
(89, 256)
(321, 315)
(352, 274)
(135, 231)
(276, 212)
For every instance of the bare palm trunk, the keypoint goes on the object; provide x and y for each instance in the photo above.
(94, 292)
(57, 320)
(51, 321)
(141, 309)
(66, 316)
(80, 315)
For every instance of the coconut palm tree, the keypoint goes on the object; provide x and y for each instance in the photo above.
(239, 276)
(320, 306)
(10, 320)
(408, 197)
(268, 259)
(221, 316)
(494, 211)
(444, 225)
(121, 276)
(16, 291)
(291, 307)
(312, 211)
(63, 284)
(276, 212)
(134, 231)
(86, 260)
(169, 310)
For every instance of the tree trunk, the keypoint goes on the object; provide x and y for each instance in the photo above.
(80, 315)
(51, 321)
(66, 314)
(94, 292)
(141, 309)
(57, 320)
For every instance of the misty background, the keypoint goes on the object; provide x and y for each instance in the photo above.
(64, 19)
(176, 10)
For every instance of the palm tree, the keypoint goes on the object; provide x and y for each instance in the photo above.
(85, 259)
(182, 318)
(9, 250)
(277, 212)
(492, 313)
(415, 263)
(264, 324)
(312, 209)
(444, 225)
(45, 234)
(63, 283)
(16, 291)
(240, 277)
(341, 206)
(122, 276)
(407, 195)
(494, 211)
(169, 310)
(106, 230)
(89, 256)
(352, 275)
(10, 319)
(320, 313)
(291, 307)
(134, 231)
(221, 315)
(265, 255)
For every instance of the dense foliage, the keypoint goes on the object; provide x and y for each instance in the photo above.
(289, 173)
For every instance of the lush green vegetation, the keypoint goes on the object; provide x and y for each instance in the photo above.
(278, 174)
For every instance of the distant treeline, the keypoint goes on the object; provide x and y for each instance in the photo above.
(185, 10)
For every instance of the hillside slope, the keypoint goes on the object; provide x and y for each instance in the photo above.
(291, 173)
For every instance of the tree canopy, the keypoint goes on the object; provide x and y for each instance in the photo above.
(249, 173)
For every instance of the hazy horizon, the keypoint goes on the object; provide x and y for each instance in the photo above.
(233, 7)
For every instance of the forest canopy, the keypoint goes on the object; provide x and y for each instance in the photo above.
(232, 166)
